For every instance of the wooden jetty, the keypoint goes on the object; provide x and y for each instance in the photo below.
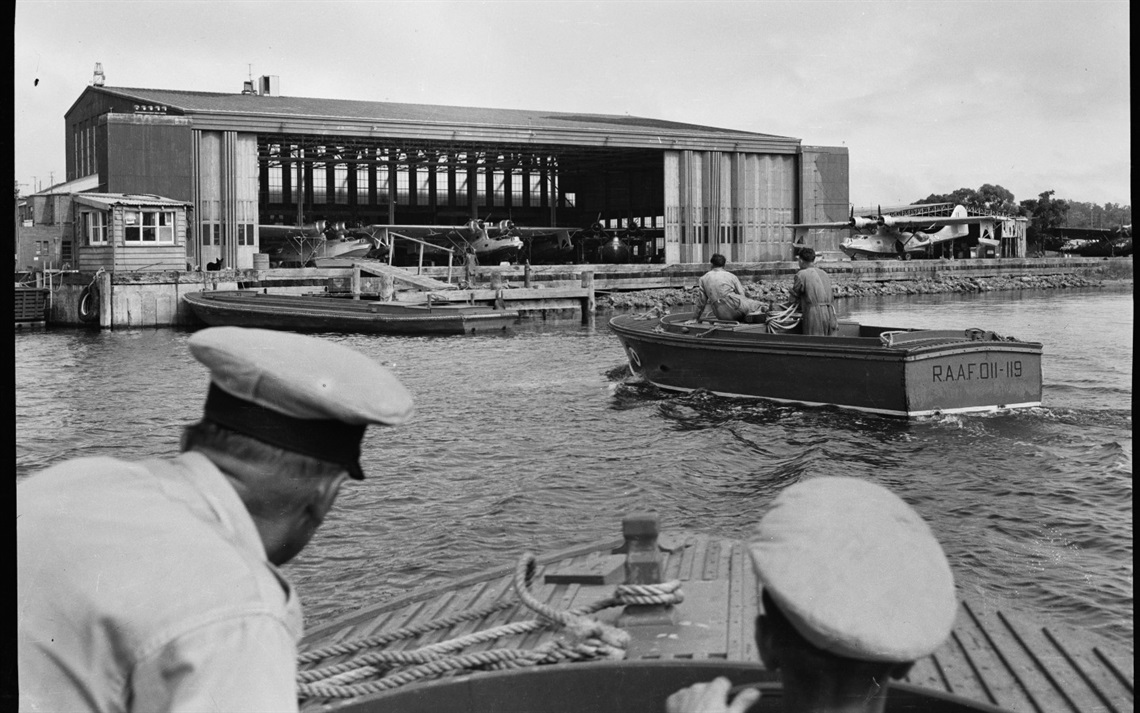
(153, 298)
(31, 305)
(993, 660)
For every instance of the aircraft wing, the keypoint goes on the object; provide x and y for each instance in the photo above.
(420, 231)
(540, 231)
(901, 221)
(833, 225)
(290, 231)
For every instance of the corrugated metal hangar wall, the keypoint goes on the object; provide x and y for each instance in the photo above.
(699, 188)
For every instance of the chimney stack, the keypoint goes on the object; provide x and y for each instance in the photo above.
(98, 79)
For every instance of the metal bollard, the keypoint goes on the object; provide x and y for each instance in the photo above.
(643, 565)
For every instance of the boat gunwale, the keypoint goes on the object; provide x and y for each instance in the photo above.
(845, 347)
(230, 303)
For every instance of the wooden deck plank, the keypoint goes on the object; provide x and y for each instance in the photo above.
(928, 674)
(1119, 665)
(971, 670)
(1033, 689)
(491, 593)
(710, 565)
(421, 613)
(692, 554)
(1102, 684)
(674, 558)
(517, 612)
(460, 601)
(740, 628)
(700, 631)
(1050, 672)
(985, 675)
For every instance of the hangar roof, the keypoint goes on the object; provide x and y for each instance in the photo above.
(282, 114)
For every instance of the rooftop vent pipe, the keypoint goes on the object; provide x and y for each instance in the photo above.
(98, 79)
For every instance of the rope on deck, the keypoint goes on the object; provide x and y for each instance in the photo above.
(784, 321)
(581, 637)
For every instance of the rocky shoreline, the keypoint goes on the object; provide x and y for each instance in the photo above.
(777, 292)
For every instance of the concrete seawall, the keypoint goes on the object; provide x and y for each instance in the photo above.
(154, 299)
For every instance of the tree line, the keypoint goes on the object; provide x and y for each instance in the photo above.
(1045, 212)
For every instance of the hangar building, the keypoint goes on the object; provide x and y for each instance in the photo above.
(256, 157)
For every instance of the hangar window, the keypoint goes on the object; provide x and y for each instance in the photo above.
(276, 182)
(340, 185)
(94, 227)
(423, 195)
(317, 180)
(535, 187)
(499, 189)
(362, 183)
(148, 226)
(402, 185)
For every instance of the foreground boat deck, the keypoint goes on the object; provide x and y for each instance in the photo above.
(992, 657)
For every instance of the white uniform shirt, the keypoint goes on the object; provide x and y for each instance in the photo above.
(145, 587)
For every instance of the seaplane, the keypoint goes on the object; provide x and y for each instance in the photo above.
(301, 245)
(1096, 242)
(493, 243)
(547, 245)
(600, 244)
(875, 237)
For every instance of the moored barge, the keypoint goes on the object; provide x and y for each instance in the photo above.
(247, 308)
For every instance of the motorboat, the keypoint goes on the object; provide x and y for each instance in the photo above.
(881, 370)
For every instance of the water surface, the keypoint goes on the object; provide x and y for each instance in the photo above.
(537, 440)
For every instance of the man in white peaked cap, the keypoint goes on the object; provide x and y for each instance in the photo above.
(153, 585)
(855, 589)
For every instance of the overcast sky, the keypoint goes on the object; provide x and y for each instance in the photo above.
(926, 96)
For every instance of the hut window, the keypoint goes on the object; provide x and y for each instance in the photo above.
(149, 226)
(94, 227)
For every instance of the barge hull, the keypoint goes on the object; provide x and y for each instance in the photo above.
(332, 314)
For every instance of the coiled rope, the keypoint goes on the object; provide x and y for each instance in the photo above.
(580, 638)
(785, 320)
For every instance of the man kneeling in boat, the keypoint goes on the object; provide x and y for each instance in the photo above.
(722, 296)
(855, 589)
(153, 585)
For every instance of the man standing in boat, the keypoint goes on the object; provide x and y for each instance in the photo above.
(855, 589)
(812, 287)
(153, 585)
(721, 296)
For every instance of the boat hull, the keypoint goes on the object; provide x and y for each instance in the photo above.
(332, 314)
(916, 375)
